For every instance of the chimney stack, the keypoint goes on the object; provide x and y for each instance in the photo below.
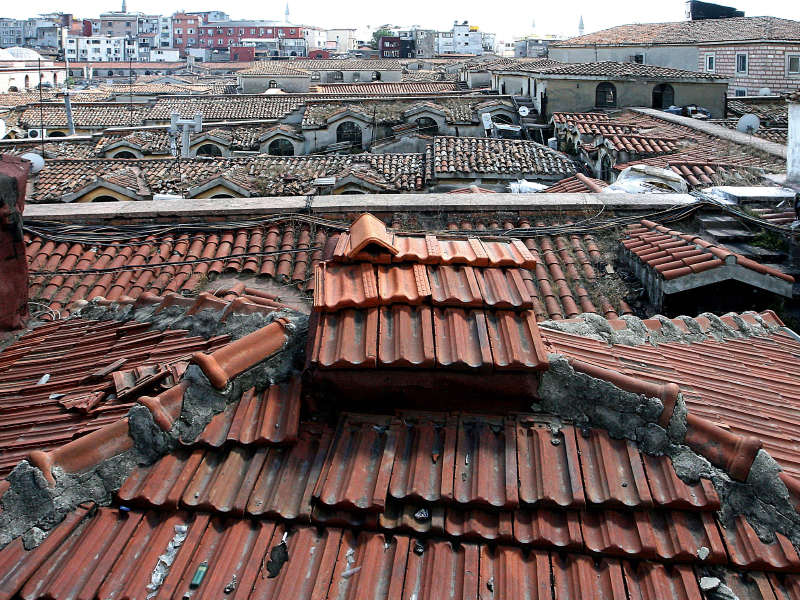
(13, 262)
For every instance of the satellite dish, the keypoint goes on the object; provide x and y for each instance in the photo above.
(37, 162)
(2, 129)
(523, 111)
(748, 124)
(765, 92)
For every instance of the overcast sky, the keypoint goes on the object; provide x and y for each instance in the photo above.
(507, 20)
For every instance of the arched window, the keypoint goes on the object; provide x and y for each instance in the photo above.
(209, 150)
(273, 84)
(338, 76)
(663, 96)
(605, 95)
(376, 76)
(120, 72)
(356, 76)
(56, 134)
(315, 76)
(147, 72)
(427, 126)
(110, 73)
(105, 199)
(293, 53)
(504, 119)
(27, 81)
(349, 132)
(280, 147)
(55, 78)
(125, 154)
(221, 196)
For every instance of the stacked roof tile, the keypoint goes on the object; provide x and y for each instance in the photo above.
(736, 29)
(95, 115)
(257, 176)
(610, 70)
(272, 501)
(225, 108)
(404, 87)
(669, 254)
(52, 389)
(579, 184)
(486, 156)
(64, 273)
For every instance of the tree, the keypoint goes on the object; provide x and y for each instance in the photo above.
(379, 33)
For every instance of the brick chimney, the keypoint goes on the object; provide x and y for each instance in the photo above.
(13, 263)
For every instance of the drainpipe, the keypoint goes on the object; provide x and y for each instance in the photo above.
(68, 109)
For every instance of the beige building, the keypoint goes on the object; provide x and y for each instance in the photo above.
(608, 85)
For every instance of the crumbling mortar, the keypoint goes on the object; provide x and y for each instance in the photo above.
(31, 508)
(763, 499)
(637, 333)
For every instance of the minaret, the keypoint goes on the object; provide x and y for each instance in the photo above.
(287, 12)
(580, 26)
(124, 7)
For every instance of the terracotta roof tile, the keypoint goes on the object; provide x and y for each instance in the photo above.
(736, 29)
(670, 256)
(225, 108)
(464, 156)
(93, 115)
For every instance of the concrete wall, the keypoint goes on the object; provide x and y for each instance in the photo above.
(675, 57)
(793, 154)
(259, 84)
(567, 95)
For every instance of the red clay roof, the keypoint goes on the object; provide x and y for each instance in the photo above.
(430, 502)
(672, 254)
(579, 184)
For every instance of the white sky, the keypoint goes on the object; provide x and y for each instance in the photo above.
(506, 20)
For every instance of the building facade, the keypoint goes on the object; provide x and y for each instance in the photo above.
(342, 40)
(755, 52)
(11, 33)
(102, 49)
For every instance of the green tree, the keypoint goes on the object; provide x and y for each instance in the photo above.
(379, 33)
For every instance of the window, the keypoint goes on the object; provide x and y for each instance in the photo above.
(741, 63)
(349, 132)
(427, 126)
(241, 32)
(269, 31)
(793, 64)
(209, 150)
(281, 147)
(273, 84)
(253, 32)
(605, 95)
(202, 32)
(376, 76)
(230, 31)
(711, 63)
(356, 76)
(663, 96)
(315, 76)
(740, 92)
(124, 154)
(502, 119)
(338, 76)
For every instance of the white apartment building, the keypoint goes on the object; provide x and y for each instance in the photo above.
(316, 38)
(11, 33)
(105, 48)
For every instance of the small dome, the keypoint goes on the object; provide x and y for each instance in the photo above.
(5, 55)
(19, 53)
